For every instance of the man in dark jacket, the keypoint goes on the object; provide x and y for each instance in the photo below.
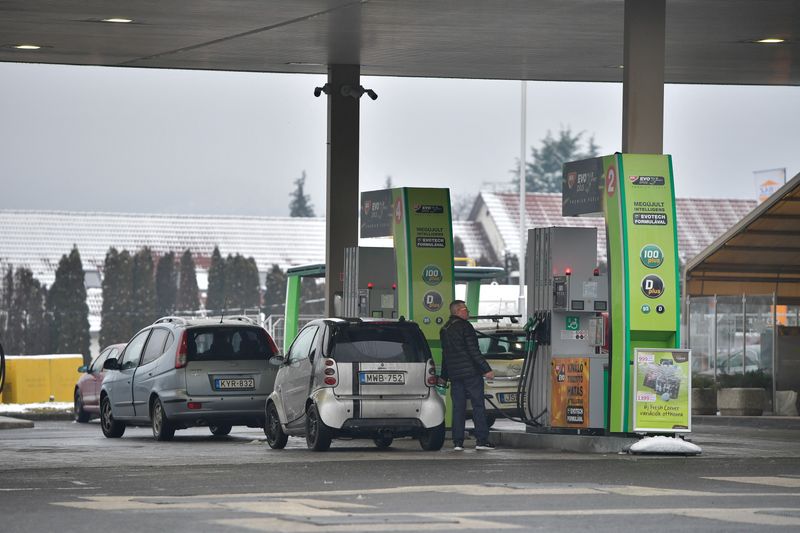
(465, 367)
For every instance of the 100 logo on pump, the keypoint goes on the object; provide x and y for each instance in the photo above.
(432, 275)
(651, 256)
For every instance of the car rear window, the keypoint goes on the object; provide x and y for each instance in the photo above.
(502, 345)
(384, 342)
(228, 343)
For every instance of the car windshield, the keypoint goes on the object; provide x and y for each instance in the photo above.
(391, 342)
(501, 345)
(228, 343)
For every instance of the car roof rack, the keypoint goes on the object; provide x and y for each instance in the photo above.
(243, 318)
(171, 319)
(497, 318)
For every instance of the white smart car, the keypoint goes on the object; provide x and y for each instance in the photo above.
(356, 378)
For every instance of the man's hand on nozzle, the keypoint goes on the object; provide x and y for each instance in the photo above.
(489, 374)
(441, 382)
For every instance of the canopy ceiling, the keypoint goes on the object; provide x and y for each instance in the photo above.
(760, 255)
(708, 42)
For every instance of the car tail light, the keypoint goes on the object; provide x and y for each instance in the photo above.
(430, 379)
(181, 356)
(272, 345)
(194, 405)
(331, 378)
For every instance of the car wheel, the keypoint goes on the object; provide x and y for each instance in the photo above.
(163, 429)
(432, 439)
(383, 442)
(276, 438)
(318, 435)
(490, 420)
(111, 428)
(78, 412)
(220, 430)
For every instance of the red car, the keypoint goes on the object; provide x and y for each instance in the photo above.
(87, 389)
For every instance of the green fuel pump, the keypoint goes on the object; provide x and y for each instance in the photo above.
(642, 384)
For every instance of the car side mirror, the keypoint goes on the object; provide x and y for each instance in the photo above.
(83, 369)
(111, 364)
(276, 360)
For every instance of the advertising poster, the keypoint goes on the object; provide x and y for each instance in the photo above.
(376, 214)
(651, 245)
(769, 181)
(582, 188)
(569, 396)
(662, 395)
(423, 239)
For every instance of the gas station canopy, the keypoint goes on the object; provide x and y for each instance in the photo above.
(567, 40)
(759, 255)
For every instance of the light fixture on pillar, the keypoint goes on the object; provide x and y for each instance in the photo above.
(324, 89)
(358, 92)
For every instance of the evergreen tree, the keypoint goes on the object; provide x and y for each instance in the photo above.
(15, 331)
(241, 283)
(388, 183)
(461, 206)
(544, 172)
(275, 294)
(6, 306)
(144, 289)
(252, 284)
(40, 323)
(215, 300)
(300, 205)
(312, 296)
(67, 303)
(166, 285)
(28, 328)
(188, 293)
(116, 325)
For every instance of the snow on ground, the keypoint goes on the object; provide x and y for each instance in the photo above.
(34, 407)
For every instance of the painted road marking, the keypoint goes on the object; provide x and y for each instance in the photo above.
(772, 481)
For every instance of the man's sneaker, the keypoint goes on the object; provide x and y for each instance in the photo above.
(458, 446)
(485, 446)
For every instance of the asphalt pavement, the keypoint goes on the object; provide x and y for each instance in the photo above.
(64, 476)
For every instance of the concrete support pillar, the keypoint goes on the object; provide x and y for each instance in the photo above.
(643, 78)
(341, 201)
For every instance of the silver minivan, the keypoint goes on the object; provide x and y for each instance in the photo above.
(179, 373)
(356, 378)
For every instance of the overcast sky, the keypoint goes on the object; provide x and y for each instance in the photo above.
(147, 140)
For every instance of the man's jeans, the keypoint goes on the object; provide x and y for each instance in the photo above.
(460, 390)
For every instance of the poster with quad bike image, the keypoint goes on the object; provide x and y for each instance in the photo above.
(662, 392)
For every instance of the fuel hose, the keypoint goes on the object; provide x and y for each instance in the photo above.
(2, 367)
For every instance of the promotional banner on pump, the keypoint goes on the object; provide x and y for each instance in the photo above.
(663, 391)
(569, 392)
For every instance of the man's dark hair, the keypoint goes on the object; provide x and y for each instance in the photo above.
(455, 305)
